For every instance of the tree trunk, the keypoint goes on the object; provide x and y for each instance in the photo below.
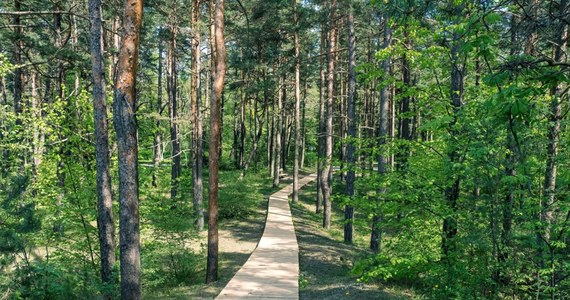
(157, 154)
(327, 167)
(197, 118)
(304, 127)
(452, 191)
(36, 111)
(126, 128)
(383, 139)
(5, 153)
(172, 87)
(405, 117)
(277, 134)
(243, 128)
(284, 122)
(554, 129)
(219, 75)
(297, 106)
(321, 125)
(105, 223)
(351, 119)
(18, 73)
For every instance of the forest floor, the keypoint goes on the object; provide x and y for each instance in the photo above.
(326, 261)
(238, 237)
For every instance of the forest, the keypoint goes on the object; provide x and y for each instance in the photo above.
(140, 141)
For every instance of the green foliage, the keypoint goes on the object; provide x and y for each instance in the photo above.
(5, 65)
(240, 197)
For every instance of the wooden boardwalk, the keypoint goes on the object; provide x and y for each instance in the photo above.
(272, 270)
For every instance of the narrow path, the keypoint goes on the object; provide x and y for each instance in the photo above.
(272, 270)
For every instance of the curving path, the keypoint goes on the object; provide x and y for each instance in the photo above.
(272, 270)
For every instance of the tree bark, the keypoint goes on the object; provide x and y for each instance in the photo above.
(197, 118)
(219, 75)
(303, 127)
(554, 129)
(321, 125)
(453, 190)
(351, 130)
(172, 87)
(105, 224)
(277, 134)
(297, 105)
(327, 167)
(18, 74)
(157, 153)
(284, 121)
(126, 128)
(383, 139)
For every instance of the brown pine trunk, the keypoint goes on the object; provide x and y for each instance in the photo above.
(327, 167)
(219, 75)
(5, 153)
(383, 139)
(105, 225)
(126, 128)
(321, 125)
(271, 138)
(351, 130)
(196, 119)
(18, 72)
(157, 147)
(277, 134)
(284, 123)
(297, 106)
(172, 88)
(304, 127)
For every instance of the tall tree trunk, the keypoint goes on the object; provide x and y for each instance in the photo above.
(327, 167)
(219, 75)
(303, 127)
(126, 128)
(172, 87)
(453, 190)
(63, 152)
(554, 129)
(157, 147)
(18, 72)
(105, 222)
(383, 139)
(351, 119)
(321, 125)
(511, 161)
(405, 117)
(271, 138)
(277, 134)
(284, 122)
(197, 118)
(297, 106)
(115, 39)
(5, 153)
(36, 111)
(243, 129)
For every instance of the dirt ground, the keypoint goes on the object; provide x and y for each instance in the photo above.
(325, 261)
